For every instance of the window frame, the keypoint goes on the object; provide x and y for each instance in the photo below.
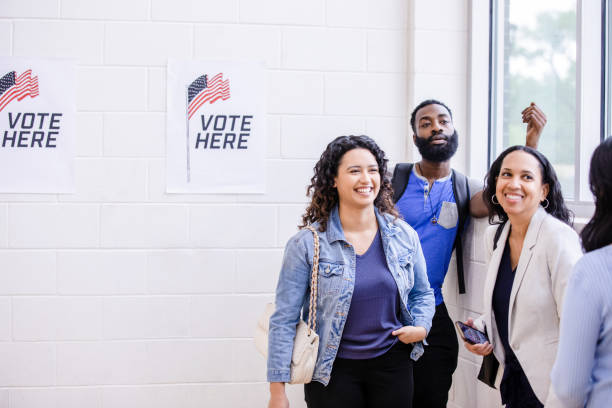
(592, 91)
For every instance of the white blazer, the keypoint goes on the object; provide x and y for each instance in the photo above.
(550, 250)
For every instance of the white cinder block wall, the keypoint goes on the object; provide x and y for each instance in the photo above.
(121, 295)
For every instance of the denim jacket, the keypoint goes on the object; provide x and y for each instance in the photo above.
(335, 289)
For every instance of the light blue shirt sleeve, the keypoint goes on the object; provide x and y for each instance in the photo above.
(580, 328)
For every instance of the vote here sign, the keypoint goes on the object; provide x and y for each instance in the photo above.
(216, 137)
(37, 120)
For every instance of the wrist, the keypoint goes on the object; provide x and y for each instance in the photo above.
(421, 332)
(277, 388)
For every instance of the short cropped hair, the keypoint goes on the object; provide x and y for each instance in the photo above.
(426, 102)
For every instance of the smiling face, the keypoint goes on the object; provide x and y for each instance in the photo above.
(435, 135)
(357, 179)
(519, 187)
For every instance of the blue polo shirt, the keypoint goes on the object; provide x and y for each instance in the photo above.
(419, 205)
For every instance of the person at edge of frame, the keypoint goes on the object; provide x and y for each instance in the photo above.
(582, 373)
(429, 205)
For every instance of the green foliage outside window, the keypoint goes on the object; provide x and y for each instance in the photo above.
(540, 66)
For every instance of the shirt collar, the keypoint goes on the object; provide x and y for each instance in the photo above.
(420, 177)
(336, 233)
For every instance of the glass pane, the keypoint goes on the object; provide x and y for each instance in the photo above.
(540, 66)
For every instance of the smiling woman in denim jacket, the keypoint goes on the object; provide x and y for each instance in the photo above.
(374, 305)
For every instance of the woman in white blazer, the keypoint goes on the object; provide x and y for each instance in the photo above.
(528, 270)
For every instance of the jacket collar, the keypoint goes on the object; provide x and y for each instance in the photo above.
(385, 223)
(531, 238)
(529, 243)
(334, 226)
(336, 233)
(534, 228)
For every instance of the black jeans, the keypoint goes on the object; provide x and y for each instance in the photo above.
(381, 382)
(433, 372)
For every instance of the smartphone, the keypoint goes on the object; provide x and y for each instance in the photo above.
(470, 334)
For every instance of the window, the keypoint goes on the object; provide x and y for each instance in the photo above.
(548, 52)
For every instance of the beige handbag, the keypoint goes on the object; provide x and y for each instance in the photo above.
(306, 342)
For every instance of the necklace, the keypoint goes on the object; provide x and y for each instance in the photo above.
(434, 219)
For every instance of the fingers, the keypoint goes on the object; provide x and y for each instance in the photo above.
(469, 322)
(539, 117)
(484, 348)
(488, 349)
(409, 334)
(534, 115)
(536, 109)
(470, 347)
(525, 110)
(402, 334)
(402, 330)
(480, 349)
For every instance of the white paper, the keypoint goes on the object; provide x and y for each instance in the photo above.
(37, 132)
(222, 148)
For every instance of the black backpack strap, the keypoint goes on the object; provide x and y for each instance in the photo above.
(461, 191)
(498, 232)
(401, 175)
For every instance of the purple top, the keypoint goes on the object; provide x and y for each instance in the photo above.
(375, 307)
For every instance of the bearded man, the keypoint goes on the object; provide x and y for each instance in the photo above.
(437, 202)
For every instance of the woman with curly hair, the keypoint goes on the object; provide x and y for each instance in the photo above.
(374, 303)
(532, 251)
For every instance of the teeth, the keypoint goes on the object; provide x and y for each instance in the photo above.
(513, 196)
(364, 190)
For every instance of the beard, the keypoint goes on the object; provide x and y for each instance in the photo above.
(437, 153)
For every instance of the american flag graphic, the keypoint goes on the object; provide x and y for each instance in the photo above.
(203, 90)
(17, 87)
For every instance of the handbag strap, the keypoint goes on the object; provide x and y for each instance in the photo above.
(314, 282)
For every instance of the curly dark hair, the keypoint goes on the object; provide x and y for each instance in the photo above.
(324, 196)
(556, 205)
(598, 231)
(426, 102)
